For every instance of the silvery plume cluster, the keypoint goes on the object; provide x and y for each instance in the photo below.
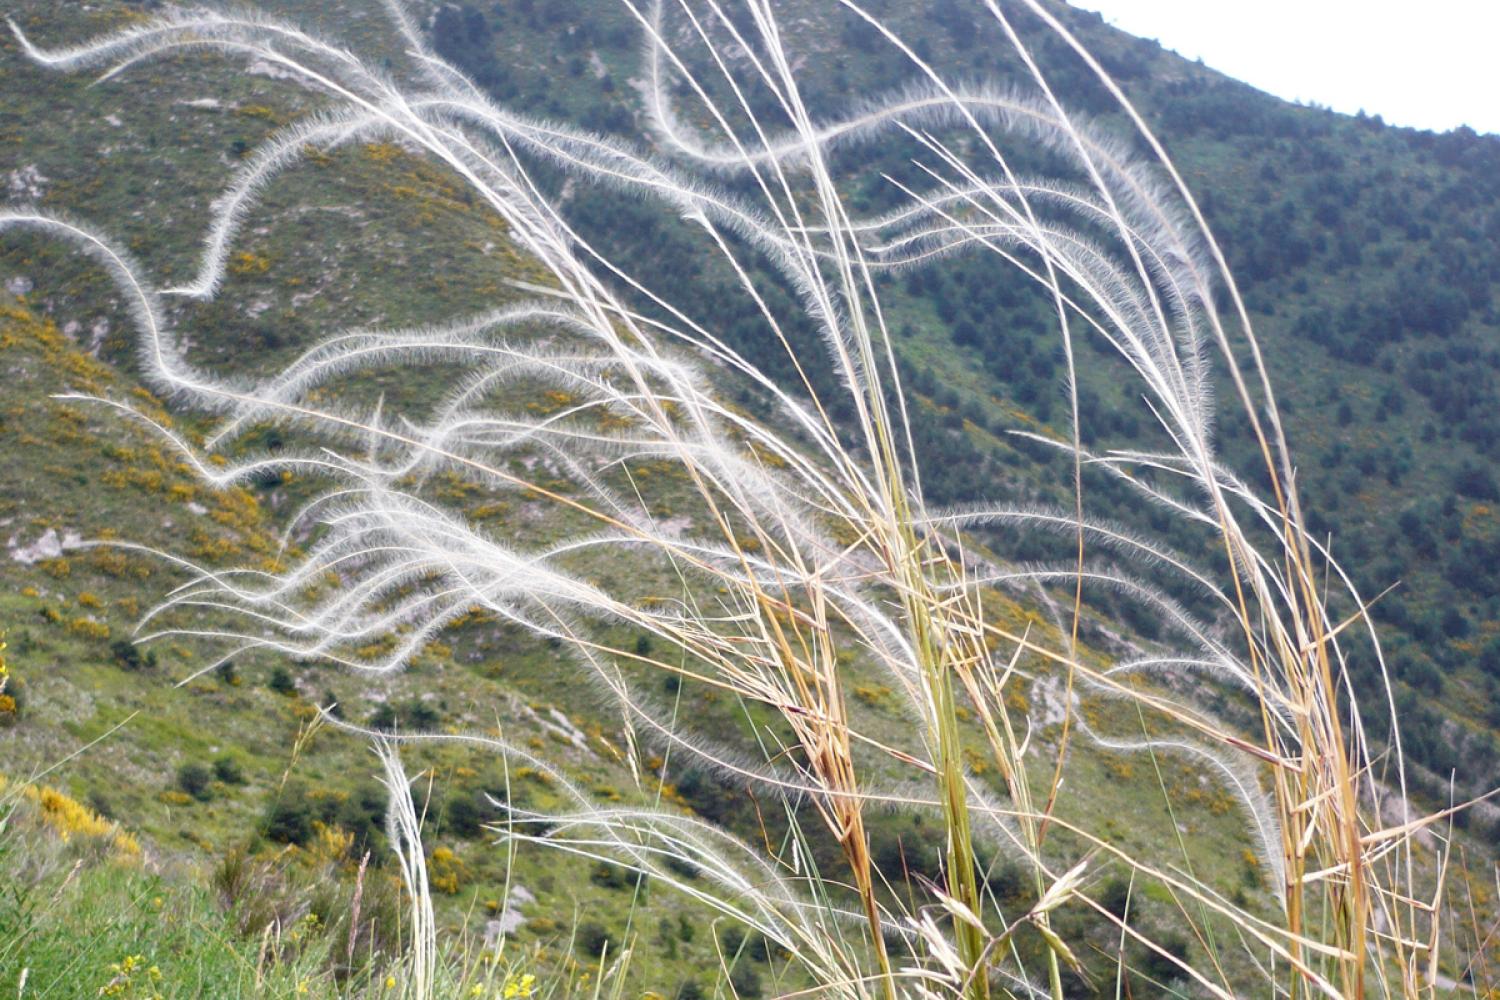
(806, 542)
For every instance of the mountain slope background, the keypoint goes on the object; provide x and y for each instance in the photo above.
(1367, 253)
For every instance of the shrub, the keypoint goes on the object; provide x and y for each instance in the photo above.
(194, 779)
(289, 819)
(99, 803)
(745, 980)
(1489, 658)
(1454, 624)
(384, 718)
(69, 818)
(281, 682)
(227, 769)
(682, 866)
(1116, 896)
(462, 815)
(293, 816)
(609, 876)
(12, 700)
(127, 655)
(361, 814)
(421, 716)
(1161, 968)
(89, 628)
(409, 716)
(1476, 481)
(446, 870)
(593, 940)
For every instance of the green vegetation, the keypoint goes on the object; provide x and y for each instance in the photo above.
(80, 914)
(1367, 257)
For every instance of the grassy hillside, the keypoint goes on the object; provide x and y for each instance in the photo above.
(200, 763)
(1364, 252)
(1368, 255)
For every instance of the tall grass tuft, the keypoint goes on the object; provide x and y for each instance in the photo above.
(800, 541)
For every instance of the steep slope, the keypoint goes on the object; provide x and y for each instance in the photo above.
(1368, 255)
(324, 258)
(199, 758)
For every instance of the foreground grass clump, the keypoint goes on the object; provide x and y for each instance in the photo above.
(81, 917)
(82, 913)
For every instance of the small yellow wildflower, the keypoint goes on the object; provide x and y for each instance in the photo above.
(390, 982)
(518, 986)
(123, 983)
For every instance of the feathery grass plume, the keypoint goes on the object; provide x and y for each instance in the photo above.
(404, 831)
(808, 543)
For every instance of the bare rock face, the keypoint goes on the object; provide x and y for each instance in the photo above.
(26, 185)
(49, 546)
(510, 919)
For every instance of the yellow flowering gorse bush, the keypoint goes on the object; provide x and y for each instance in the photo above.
(69, 818)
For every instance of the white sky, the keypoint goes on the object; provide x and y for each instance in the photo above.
(1433, 64)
